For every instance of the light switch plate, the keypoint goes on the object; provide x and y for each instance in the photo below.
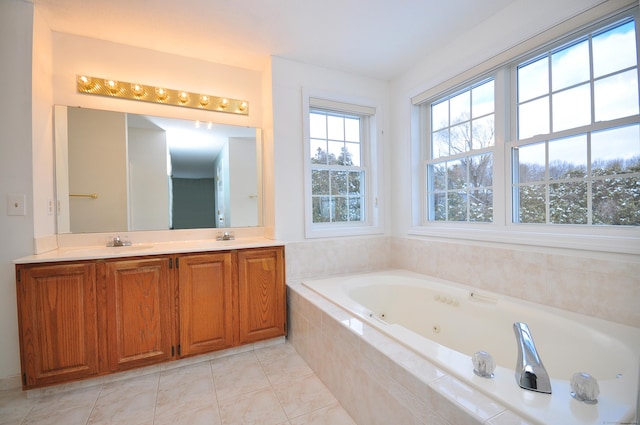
(16, 204)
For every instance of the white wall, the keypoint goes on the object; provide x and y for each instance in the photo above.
(16, 39)
(289, 79)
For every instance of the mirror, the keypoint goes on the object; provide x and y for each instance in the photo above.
(118, 172)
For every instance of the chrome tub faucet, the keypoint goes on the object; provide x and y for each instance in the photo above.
(530, 372)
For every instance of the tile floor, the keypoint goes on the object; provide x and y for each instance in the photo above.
(266, 386)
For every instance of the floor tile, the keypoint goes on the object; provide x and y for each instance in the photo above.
(271, 385)
(256, 408)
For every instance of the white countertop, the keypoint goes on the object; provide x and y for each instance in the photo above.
(155, 248)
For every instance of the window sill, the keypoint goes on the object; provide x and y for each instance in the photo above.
(623, 241)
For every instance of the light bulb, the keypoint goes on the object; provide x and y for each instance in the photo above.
(183, 96)
(161, 93)
(112, 85)
(84, 81)
(204, 100)
(224, 103)
(243, 106)
(137, 89)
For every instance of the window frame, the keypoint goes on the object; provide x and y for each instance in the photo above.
(369, 113)
(622, 239)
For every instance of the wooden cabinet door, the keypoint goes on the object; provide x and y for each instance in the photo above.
(205, 296)
(139, 312)
(261, 294)
(57, 316)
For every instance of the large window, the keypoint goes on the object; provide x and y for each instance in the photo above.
(340, 168)
(548, 144)
(459, 178)
(587, 168)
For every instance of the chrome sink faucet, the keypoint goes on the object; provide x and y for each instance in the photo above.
(530, 372)
(116, 241)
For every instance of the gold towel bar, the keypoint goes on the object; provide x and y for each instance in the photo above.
(90, 195)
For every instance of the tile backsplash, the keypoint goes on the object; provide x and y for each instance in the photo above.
(606, 286)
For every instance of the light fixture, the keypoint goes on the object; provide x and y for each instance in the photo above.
(155, 94)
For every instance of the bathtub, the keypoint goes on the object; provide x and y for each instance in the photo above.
(447, 322)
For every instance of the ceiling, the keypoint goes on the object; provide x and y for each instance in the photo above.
(374, 38)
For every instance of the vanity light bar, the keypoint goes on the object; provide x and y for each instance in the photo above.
(135, 91)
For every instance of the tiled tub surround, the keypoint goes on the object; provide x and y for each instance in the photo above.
(377, 380)
(447, 322)
(602, 285)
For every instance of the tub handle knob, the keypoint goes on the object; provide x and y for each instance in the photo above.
(584, 388)
(483, 364)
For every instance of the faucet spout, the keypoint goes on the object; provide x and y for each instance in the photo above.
(530, 372)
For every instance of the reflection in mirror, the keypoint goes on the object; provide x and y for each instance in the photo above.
(119, 172)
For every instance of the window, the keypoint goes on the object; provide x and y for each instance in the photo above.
(587, 168)
(459, 176)
(337, 175)
(546, 145)
(340, 163)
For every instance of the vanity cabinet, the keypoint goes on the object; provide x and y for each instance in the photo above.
(86, 318)
(139, 307)
(205, 293)
(58, 322)
(261, 294)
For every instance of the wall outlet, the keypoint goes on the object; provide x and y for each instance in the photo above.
(16, 204)
(50, 206)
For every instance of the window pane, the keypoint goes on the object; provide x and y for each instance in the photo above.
(335, 152)
(321, 209)
(340, 209)
(457, 206)
(533, 118)
(572, 108)
(483, 102)
(355, 212)
(440, 145)
(531, 162)
(352, 129)
(339, 182)
(318, 151)
(438, 176)
(335, 127)
(533, 80)
(614, 50)
(481, 170)
(318, 126)
(351, 155)
(532, 204)
(355, 182)
(319, 182)
(440, 115)
(456, 175)
(615, 151)
(616, 201)
(460, 107)
(481, 205)
(616, 96)
(568, 203)
(570, 66)
(568, 158)
(483, 132)
(439, 206)
(460, 138)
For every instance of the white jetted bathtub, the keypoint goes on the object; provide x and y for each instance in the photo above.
(447, 322)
